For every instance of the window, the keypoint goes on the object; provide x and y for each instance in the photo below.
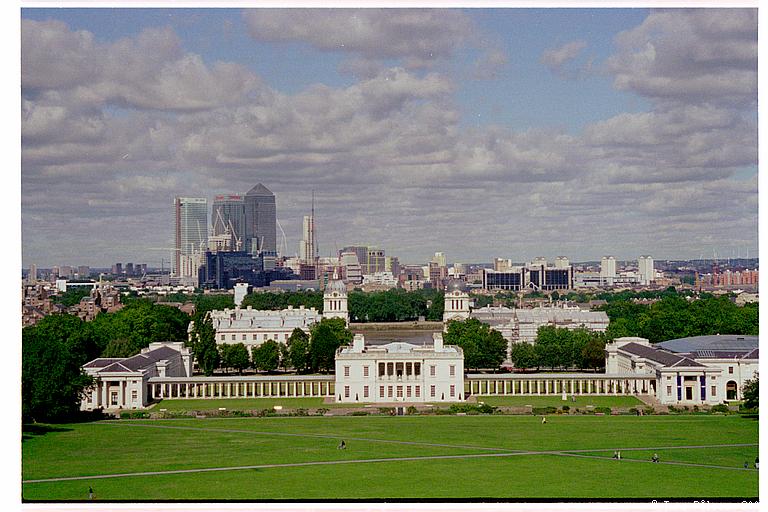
(432, 370)
(730, 369)
(233, 337)
(346, 391)
(713, 391)
(408, 391)
(399, 369)
(417, 369)
(669, 377)
(418, 391)
(390, 368)
(399, 391)
(223, 337)
(408, 369)
(669, 390)
(453, 390)
(381, 391)
(432, 391)
(346, 371)
(255, 337)
(365, 392)
(389, 391)
(365, 371)
(114, 398)
(134, 395)
(381, 370)
(244, 337)
(453, 370)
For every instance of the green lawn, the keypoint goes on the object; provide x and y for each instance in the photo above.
(160, 445)
(556, 401)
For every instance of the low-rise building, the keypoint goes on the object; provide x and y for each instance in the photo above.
(399, 372)
(122, 383)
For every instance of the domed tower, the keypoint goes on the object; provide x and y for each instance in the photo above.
(335, 300)
(456, 301)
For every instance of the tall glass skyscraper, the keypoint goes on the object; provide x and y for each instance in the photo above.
(229, 214)
(191, 234)
(260, 221)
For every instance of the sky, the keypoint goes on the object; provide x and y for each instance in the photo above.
(480, 133)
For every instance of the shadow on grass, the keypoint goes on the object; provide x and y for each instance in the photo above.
(751, 416)
(28, 431)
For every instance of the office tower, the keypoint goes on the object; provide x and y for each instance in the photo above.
(129, 269)
(361, 251)
(117, 269)
(260, 234)
(191, 235)
(228, 220)
(32, 276)
(83, 271)
(502, 264)
(607, 270)
(439, 258)
(307, 245)
(645, 272)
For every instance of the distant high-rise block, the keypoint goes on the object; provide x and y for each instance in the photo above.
(191, 234)
(228, 218)
(260, 221)
(307, 251)
(607, 270)
(645, 271)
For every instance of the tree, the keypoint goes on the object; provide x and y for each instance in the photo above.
(322, 348)
(266, 357)
(120, 347)
(593, 353)
(238, 358)
(551, 345)
(523, 355)
(483, 347)
(298, 350)
(204, 347)
(52, 379)
(750, 393)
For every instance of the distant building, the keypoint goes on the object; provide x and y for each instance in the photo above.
(456, 305)
(307, 249)
(645, 272)
(260, 221)
(607, 270)
(399, 372)
(228, 222)
(191, 215)
(536, 275)
(383, 279)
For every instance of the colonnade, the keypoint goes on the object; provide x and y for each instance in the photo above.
(231, 387)
(553, 384)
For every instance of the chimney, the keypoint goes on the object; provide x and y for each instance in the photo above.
(358, 343)
(437, 337)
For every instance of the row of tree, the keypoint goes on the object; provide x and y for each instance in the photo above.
(561, 348)
(675, 317)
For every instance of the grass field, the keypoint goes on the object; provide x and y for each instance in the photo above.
(555, 401)
(241, 404)
(441, 457)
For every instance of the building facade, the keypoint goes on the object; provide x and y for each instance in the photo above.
(228, 220)
(399, 372)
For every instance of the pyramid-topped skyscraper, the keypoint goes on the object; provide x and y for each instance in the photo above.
(260, 221)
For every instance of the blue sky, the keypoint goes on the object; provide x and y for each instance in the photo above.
(558, 124)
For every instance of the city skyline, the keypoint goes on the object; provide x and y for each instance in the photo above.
(479, 133)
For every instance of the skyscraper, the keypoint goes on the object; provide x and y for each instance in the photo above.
(228, 217)
(607, 270)
(191, 234)
(307, 248)
(260, 221)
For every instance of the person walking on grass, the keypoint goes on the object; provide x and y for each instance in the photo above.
(655, 457)
(90, 492)
(342, 445)
(543, 420)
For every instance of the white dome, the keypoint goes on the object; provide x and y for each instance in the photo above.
(336, 285)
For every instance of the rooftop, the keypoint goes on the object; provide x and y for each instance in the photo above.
(718, 342)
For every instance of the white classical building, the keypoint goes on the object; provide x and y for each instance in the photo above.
(456, 305)
(399, 372)
(122, 383)
(252, 327)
